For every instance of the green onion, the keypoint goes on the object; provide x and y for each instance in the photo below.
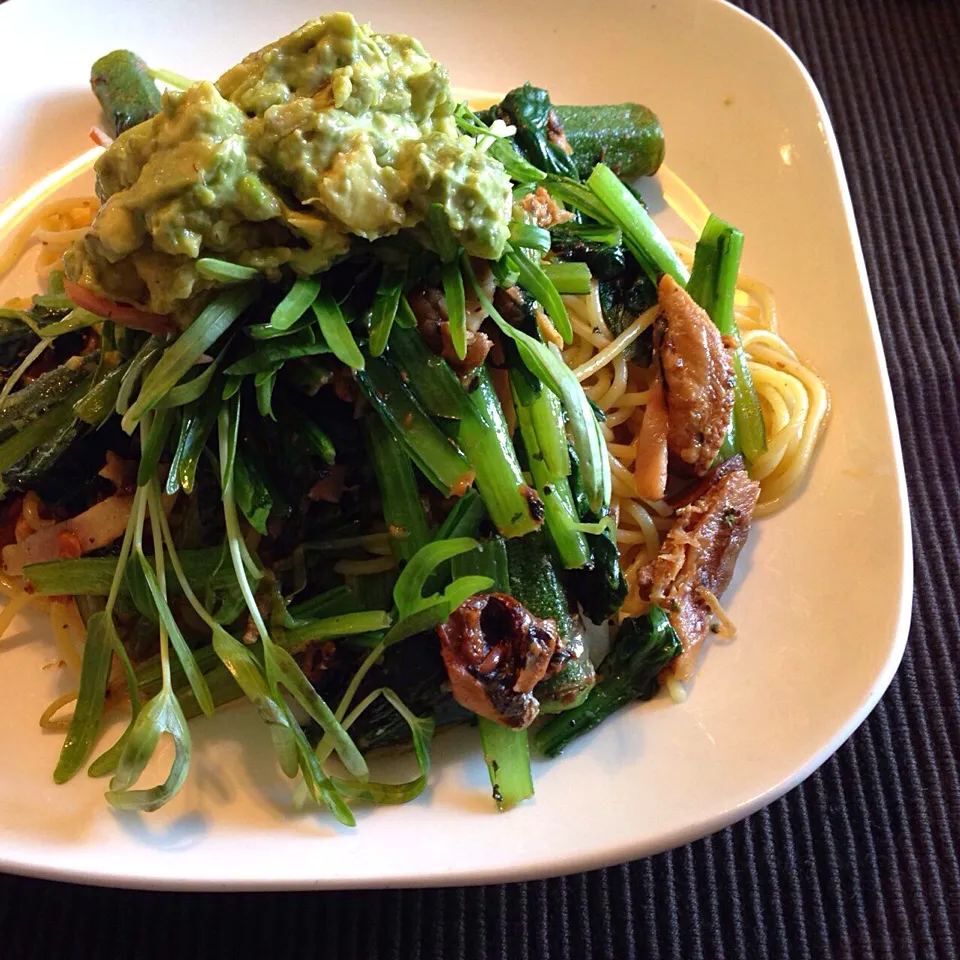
(641, 235)
(280, 667)
(386, 301)
(444, 241)
(540, 286)
(142, 361)
(223, 270)
(529, 236)
(579, 196)
(456, 306)
(570, 278)
(330, 628)
(336, 332)
(215, 319)
(295, 304)
(76, 319)
(156, 440)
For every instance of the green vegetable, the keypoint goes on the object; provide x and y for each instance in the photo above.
(713, 283)
(51, 427)
(34, 399)
(267, 355)
(125, 89)
(539, 285)
(605, 260)
(214, 320)
(252, 489)
(336, 332)
(568, 277)
(342, 625)
(630, 671)
(456, 307)
(529, 237)
(513, 507)
(153, 447)
(225, 271)
(399, 497)
(507, 755)
(93, 576)
(196, 424)
(438, 458)
(429, 376)
(627, 137)
(385, 306)
(421, 731)
(102, 642)
(295, 304)
(279, 666)
(534, 581)
(641, 235)
(548, 367)
(529, 109)
(590, 233)
(408, 591)
(600, 587)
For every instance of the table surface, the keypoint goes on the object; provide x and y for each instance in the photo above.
(861, 860)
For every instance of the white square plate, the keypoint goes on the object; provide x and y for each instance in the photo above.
(822, 594)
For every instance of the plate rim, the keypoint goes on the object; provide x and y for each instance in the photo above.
(621, 850)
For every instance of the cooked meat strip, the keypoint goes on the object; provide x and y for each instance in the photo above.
(697, 559)
(696, 489)
(543, 208)
(430, 310)
(697, 375)
(496, 652)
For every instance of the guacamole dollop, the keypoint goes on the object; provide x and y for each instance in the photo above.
(331, 133)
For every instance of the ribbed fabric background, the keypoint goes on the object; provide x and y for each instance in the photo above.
(861, 860)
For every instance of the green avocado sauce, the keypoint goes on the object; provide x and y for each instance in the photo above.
(326, 135)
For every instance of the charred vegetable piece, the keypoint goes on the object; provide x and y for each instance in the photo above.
(627, 137)
(642, 648)
(496, 652)
(126, 90)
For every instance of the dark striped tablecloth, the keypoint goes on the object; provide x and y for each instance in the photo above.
(860, 861)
